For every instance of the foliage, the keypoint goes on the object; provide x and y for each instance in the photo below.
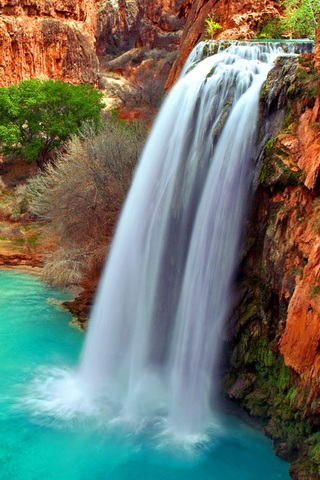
(272, 29)
(80, 195)
(212, 26)
(300, 20)
(314, 290)
(37, 116)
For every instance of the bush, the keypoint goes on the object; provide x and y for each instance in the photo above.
(300, 20)
(148, 94)
(80, 195)
(272, 29)
(64, 266)
(37, 116)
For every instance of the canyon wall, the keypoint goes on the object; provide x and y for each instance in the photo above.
(125, 24)
(47, 39)
(62, 38)
(300, 343)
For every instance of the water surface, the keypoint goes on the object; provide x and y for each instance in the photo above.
(36, 339)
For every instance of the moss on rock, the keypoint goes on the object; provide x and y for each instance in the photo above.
(259, 381)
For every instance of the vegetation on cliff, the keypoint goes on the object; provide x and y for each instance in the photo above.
(300, 19)
(212, 27)
(262, 384)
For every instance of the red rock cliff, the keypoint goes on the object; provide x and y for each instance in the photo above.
(300, 343)
(124, 24)
(289, 216)
(291, 242)
(274, 366)
(47, 39)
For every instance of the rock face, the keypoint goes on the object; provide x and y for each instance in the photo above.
(60, 38)
(125, 24)
(275, 356)
(47, 39)
(239, 20)
(300, 343)
(291, 251)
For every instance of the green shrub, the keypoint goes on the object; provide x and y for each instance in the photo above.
(37, 116)
(272, 29)
(300, 20)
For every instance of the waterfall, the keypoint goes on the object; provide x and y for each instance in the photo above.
(156, 328)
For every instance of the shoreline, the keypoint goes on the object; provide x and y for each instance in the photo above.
(37, 271)
(24, 268)
(74, 290)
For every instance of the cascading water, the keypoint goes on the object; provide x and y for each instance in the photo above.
(154, 339)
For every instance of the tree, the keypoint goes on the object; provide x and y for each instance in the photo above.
(300, 19)
(38, 116)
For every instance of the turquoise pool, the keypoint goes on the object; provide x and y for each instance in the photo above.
(36, 339)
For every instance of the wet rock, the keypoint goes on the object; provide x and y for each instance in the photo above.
(278, 333)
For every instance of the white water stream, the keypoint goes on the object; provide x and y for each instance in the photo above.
(153, 344)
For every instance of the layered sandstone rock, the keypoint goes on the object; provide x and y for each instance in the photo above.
(300, 343)
(275, 356)
(47, 39)
(290, 247)
(125, 24)
(239, 20)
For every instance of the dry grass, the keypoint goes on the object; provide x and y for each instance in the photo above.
(64, 267)
(13, 203)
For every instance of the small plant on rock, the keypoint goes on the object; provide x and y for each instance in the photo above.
(212, 26)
